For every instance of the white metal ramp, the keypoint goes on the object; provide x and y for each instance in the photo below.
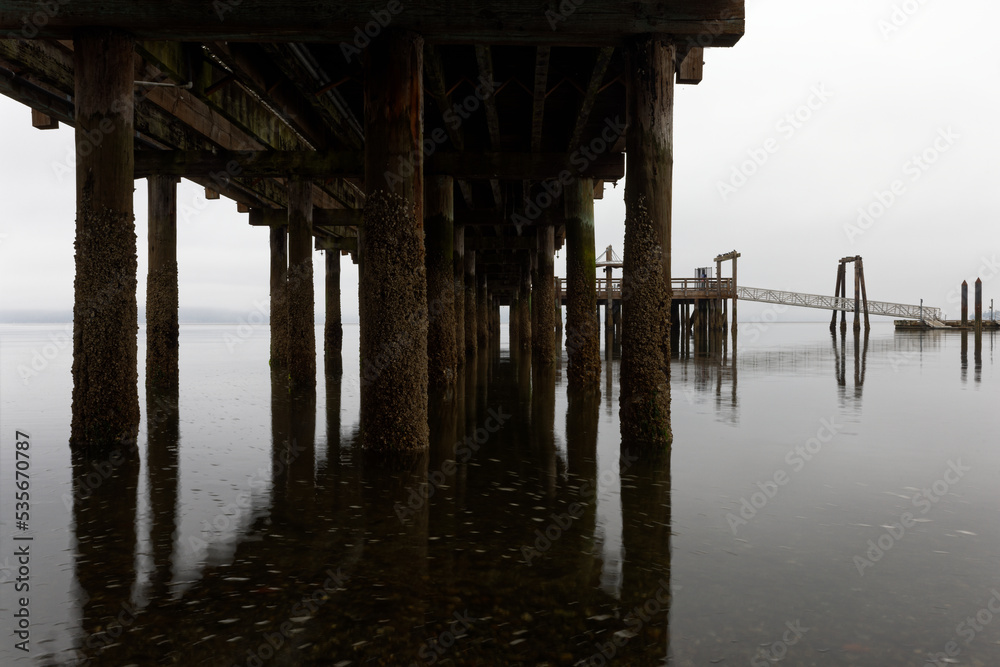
(904, 311)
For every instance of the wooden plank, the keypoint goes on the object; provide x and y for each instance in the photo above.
(593, 23)
(689, 71)
(484, 58)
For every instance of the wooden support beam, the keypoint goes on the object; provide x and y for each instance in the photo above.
(689, 70)
(224, 165)
(392, 284)
(583, 343)
(439, 237)
(333, 330)
(278, 236)
(43, 121)
(589, 96)
(596, 22)
(299, 291)
(211, 194)
(645, 367)
(437, 88)
(162, 331)
(105, 315)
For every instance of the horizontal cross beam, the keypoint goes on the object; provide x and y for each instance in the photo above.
(352, 25)
(224, 165)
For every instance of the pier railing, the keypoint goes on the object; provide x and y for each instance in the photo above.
(683, 288)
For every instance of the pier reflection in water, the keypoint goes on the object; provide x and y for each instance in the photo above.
(253, 530)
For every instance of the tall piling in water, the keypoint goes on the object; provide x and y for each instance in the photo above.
(471, 318)
(543, 337)
(393, 281)
(645, 371)
(524, 309)
(299, 291)
(162, 330)
(979, 306)
(279, 299)
(333, 329)
(458, 269)
(483, 312)
(965, 303)
(583, 342)
(105, 409)
(442, 353)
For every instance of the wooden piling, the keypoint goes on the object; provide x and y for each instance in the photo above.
(279, 298)
(458, 270)
(524, 310)
(471, 317)
(482, 313)
(857, 293)
(583, 343)
(979, 306)
(543, 338)
(645, 371)
(105, 410)
(162, 330)
(299, 290)
(393, 281)
(442, 355)
(333, 330)
(965, 303)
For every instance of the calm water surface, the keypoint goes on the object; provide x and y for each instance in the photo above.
(828, 501)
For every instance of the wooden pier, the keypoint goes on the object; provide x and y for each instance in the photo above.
(447, 148)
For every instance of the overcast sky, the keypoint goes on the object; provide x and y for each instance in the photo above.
(822, 109)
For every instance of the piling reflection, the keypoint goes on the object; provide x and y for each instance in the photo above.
(104, 516)
(163, 479)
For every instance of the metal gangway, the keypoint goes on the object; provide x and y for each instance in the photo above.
(930, 315)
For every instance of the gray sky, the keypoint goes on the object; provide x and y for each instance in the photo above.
(845, 100)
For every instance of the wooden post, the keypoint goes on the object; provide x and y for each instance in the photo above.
(864, 293)
(513, 326)
(544, 337)
(965, 303)
(483, 311)
(524, 309)
(458, 270)
(471, 318)
(299, 290)
(162, 329)
(843, 295)
(857, 293)
(836, 293)
(439, 203)
(279, 298)
(333, 330)
(608, 305)
(736, 297)
(645, 366)
(583, 342)
(717, 324)
(393, 282)
(979, 306)
(105, 410)
(557, 288)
